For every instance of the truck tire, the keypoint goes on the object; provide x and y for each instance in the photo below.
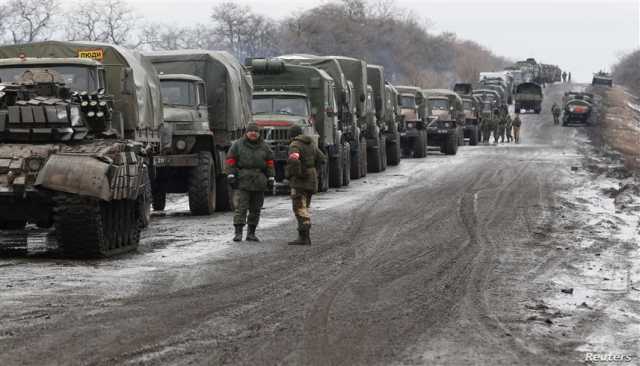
(224, 194)
(363, 157)
(383, 152)
(473, 140)
(335, 168)
(420, 148)
(323, 178)
(202, 186)
(393, 150)
(356, 160)
(159, 198)
(374, 156)
(346, 167)
(451, 145)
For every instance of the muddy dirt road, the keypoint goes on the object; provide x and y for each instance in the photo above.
(440, 261)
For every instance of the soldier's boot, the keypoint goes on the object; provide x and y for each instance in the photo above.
(251, 234)
(300, 240)
(307, 235)
(238, 236)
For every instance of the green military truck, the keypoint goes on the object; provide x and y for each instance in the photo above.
(206, 97)
(602, 78)
(287, 94)
(79, 124)
(471, 109)
(528, 96)
(346, 100)
(412, 125)
(385, 147)
(445, 130)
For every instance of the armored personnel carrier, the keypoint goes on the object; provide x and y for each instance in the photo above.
(75, 144)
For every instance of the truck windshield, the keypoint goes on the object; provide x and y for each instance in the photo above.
(407, 101)
(75, 77)
(439, 104)
(178, 92)
(287, 105)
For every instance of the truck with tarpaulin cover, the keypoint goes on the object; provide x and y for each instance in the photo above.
(388, 138)
(412, 123)
(528, 96)
(346, 100)
(445, 129)
(79, 124)
(471, 109)
(602, 78)
(206, 97)
(288, 94)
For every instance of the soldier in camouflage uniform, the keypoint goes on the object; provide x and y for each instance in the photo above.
(302, 171)
(495, 125)
(555, 111)
(502, 125)
(250, 172)
(508, 128)
(516, 128)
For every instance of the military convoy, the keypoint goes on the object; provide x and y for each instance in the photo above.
(77, 137)
(93, 135)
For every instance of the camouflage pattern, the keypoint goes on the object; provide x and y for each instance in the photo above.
(247, 201)
(508, 128)
(301, 202)
(251, 162)
(516, 128)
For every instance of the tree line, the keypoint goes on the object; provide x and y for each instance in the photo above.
(627, 71)
(378, 32)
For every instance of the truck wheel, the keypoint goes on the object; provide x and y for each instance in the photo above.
(451, 145)
(159, 198)
(363, 158)
(374, 156)
(473, 140)
(420, 148)
(224, 194)
(202, 186)
(323, 178)
(393, 151)
(346, 167)
(335, 169)
(356, 159)
(383, 152)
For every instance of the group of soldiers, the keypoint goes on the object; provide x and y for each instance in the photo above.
(566, 77)
(501, 126)
(250, 172)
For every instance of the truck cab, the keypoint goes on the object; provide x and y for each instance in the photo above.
(446, 129)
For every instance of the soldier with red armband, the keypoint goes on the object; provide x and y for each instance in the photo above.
(250, 172)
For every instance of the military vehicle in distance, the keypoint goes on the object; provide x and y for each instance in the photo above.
(471, 109)
(412, 125)
(446, 127)
(206, 97)
(602, 78)
(577, 107)
(347, 108)
(384, 144)
(77, 136)
(287, 94)
(529, 97)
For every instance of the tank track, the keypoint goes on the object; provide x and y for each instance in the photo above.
(89, 228)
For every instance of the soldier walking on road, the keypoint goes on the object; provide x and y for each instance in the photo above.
(564, 76)
(555, 110)
(502, 126)
(302, 171)
(569, 77)
(495, 125)
(516, 128)
(508, 128)
(250, 172)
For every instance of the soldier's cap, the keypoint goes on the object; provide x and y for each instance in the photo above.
(294, 131)
(253, 127)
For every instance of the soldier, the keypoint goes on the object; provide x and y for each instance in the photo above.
(486, 127)
(502, 126)
(516, 128)
(564, 76)
(508, 127)
(250, 172)
(302, 171)
(555, 110)
(495, 125)
(569, 77)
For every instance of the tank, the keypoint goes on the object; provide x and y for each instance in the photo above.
(76, 138)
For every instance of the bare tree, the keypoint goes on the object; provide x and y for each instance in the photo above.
(111, 21)
(167, 37)
(28, 20)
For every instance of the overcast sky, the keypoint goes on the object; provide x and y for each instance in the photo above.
(582, 36)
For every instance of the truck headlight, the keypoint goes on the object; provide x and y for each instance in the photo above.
(446, 124)
(34, 164)
(181, 145)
